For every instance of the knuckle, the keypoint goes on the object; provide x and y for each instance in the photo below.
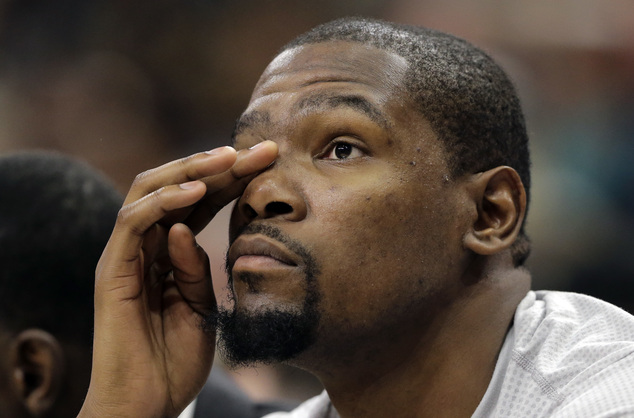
(141, 178)
(126, 219)
(157, 195)
(156, 199)
(188, 166)
(123, 215)
(234, 174)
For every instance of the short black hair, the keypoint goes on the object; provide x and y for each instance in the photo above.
(56, 214)
(468, 99)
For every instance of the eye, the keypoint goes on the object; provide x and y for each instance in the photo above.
(343, 151)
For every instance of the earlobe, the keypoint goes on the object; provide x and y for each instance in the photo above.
(38, 366)
(500, 199)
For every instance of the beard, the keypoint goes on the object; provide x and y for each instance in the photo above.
(269, 335)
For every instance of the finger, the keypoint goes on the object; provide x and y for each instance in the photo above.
(219, 167)
(248, 163)
(121, 261)
(191, 270)
(254, 159)
(154, 249)
(194, 167)
(223, 188)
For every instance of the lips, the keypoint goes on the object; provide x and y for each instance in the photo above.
(258, 252)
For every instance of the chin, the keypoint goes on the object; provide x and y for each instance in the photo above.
(259, 330)
(254, 304)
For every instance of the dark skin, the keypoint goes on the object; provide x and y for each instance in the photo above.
(41, 375)
(416, 279)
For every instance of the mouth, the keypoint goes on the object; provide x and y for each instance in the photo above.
(258, 252)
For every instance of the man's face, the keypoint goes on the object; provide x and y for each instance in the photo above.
(358, 221)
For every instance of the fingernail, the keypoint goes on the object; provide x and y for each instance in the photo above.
(188, 185)
(217, 150)
(258, 145)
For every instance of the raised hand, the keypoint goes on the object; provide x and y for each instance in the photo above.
(153, 285)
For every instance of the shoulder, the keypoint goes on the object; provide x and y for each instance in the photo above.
(578, 349)
(571, 319)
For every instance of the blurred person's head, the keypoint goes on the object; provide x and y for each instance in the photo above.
(56, 214)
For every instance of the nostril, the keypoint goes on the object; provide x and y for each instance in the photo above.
(278, 208)
(249, 212)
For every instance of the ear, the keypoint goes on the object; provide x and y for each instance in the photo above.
(500, 200)
(38, 367)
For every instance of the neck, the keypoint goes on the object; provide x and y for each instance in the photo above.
(439, 369)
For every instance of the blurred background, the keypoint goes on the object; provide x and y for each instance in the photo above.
(130, 85)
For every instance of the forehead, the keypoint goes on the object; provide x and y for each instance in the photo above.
(334, 61)
(326, 76)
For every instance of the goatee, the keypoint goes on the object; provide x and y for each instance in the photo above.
(271, 334)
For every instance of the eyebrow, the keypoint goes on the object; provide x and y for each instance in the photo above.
(247, 120)
(359, 103)
(315, 103)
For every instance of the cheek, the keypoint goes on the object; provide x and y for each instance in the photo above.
(373, 227)
(369, 241)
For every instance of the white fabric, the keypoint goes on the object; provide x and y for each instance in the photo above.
(315, 407)
(189, 411)
(566, 355)
(572, 356)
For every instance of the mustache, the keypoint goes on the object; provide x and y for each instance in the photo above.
(270, 231)
(276, 234)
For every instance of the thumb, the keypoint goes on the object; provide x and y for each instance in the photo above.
(191, 270)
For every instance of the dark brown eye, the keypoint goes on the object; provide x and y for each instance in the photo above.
(342, 151)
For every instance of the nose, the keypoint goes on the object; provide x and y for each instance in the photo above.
(273, 194)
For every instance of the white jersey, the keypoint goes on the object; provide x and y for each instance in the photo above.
(566, 355)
